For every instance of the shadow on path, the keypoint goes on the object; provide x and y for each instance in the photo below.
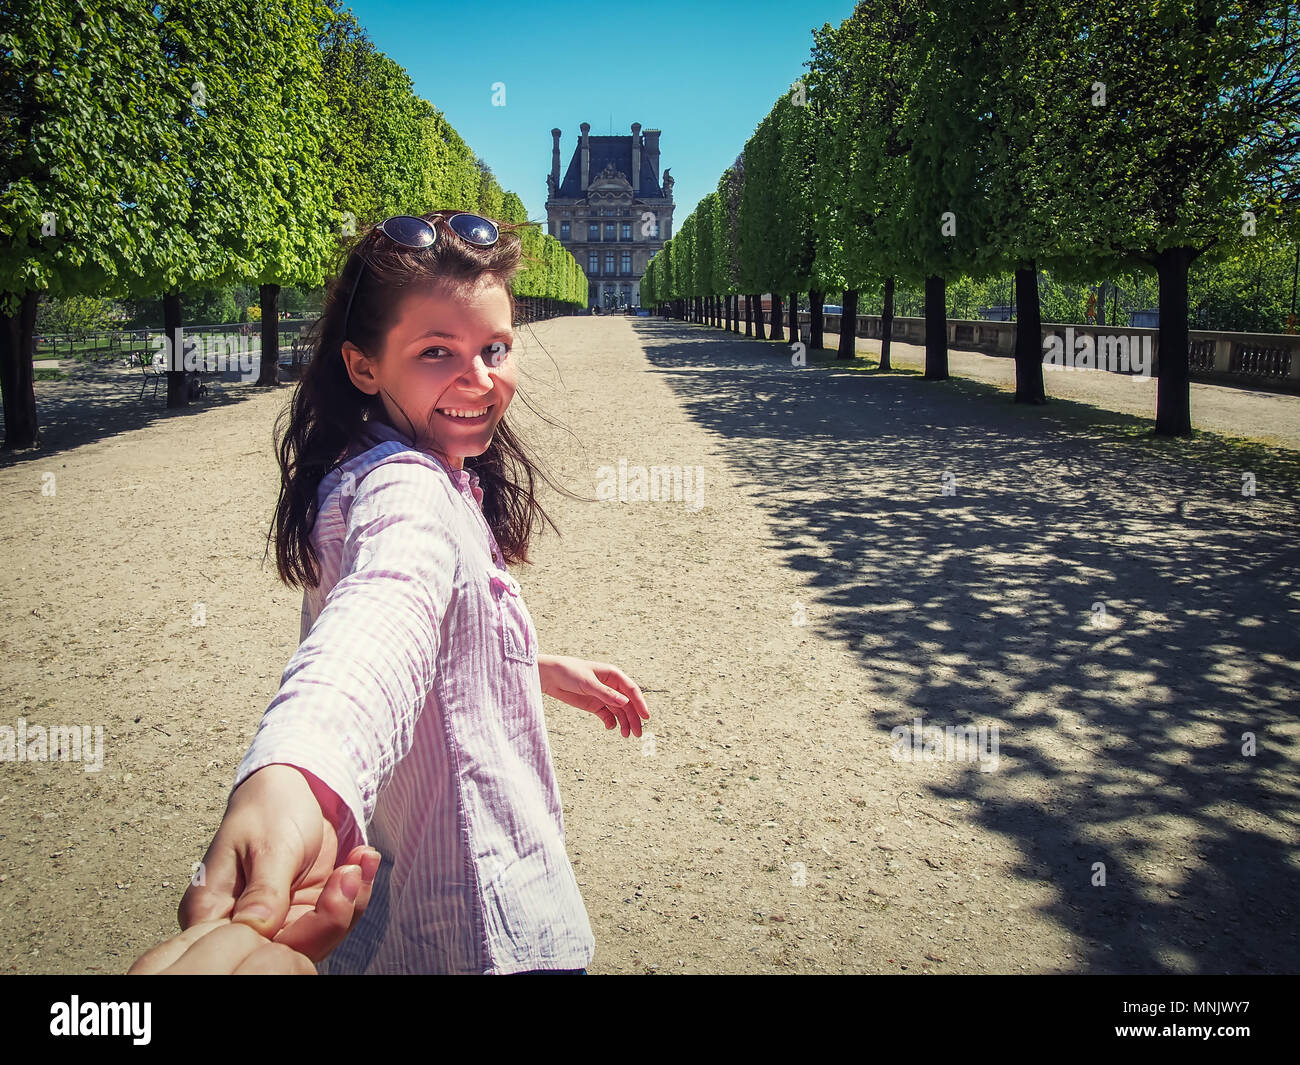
(96, 402)
(1121, 724)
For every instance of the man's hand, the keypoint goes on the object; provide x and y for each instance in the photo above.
(596, 687)
(271, 861)
(221, 948)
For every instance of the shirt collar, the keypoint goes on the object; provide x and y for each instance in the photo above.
(377, 432)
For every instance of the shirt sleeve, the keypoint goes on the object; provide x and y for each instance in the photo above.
(353, 691)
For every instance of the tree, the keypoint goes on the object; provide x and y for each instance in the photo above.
(1192, 148)
(72, 219)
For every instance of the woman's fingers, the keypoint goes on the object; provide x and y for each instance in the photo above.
(214, 896)
(617, 679)
(368, 858)
(318, 932)
(339, 907)
(271, 871)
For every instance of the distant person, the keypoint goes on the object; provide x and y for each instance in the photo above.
(410, 717)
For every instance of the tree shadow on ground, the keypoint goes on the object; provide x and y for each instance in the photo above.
(1113, 602)
(96, 402)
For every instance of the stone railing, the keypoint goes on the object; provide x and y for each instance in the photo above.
(1271, 360)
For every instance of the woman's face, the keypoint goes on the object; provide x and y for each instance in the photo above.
(444, 357)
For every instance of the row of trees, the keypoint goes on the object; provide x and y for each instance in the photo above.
(989, 137)
(159, 149)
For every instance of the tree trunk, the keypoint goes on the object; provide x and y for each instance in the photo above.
(270, 372)
(777, 332)
(178, 381)
(848, 348)
(1029, 338)
(793, 304)
(17, 376)
(749, 315)
(759, 328)
(887, 325)
(815, 301)
(1173, 397)
(727, 308)
(936, 328)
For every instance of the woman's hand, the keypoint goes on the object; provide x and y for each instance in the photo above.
(596, 687)
(272, 862)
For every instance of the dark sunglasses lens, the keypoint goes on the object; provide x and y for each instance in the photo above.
(474, 229)
(408, 230)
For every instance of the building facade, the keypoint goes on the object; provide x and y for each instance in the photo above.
(611, 210)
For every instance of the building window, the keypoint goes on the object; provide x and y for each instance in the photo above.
(627, 295)
(564, 230)
(609, 262)
(609, 231)
(627, 230)
(627, 262)
(593, 263)
(593, 231)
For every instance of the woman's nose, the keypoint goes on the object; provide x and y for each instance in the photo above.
(480, 370)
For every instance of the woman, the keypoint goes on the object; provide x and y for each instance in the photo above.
(410, 717)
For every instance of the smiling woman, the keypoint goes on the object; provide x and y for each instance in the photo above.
(409, 720)
(417, 331)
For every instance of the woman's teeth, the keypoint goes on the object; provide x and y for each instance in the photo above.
(463, 413)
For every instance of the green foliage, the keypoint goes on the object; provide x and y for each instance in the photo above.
(76, 316)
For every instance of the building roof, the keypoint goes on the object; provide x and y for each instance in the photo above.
(606, 150)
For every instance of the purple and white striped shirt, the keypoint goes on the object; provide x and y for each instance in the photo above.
(415, 696)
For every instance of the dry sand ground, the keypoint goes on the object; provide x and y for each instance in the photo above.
(768, 827)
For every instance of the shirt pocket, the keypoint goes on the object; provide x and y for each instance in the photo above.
(518, 637)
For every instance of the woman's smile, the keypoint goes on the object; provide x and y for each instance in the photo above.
(469, 416)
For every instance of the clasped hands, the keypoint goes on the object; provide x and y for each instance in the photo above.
(272, 899)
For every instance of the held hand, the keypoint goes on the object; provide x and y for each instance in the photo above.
(226, 947)
(270, 862)
(596, 687)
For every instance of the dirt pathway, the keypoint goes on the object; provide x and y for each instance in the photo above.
(768, 826)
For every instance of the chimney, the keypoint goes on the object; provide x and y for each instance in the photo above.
(652, 151)
(555, 159)
(586, 154)
(636, 158)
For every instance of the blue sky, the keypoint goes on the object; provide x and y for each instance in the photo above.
(704, 73)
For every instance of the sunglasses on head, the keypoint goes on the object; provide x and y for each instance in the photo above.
(412, 232)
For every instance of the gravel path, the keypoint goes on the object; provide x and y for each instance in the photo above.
(826, 593)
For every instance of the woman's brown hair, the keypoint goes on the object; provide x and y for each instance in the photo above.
(327, 413)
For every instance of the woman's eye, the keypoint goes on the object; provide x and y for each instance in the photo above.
(431, 351)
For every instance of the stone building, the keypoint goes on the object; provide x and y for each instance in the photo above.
(611, 210)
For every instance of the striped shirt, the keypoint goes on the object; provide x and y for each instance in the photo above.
(415, 696)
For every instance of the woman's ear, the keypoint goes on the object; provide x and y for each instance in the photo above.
(359, 368)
